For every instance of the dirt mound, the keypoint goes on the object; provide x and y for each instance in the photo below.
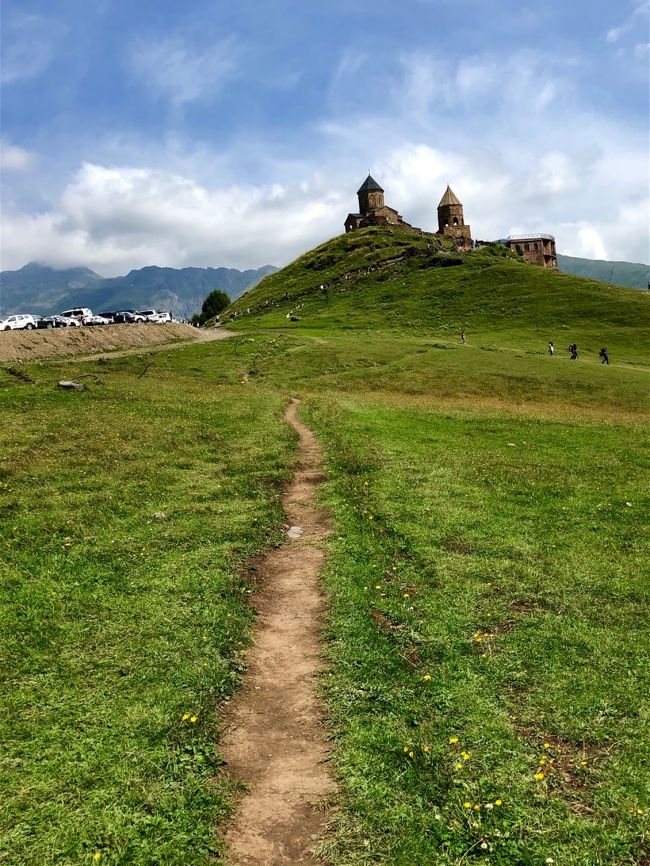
(31, 345)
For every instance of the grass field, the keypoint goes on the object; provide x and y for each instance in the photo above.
(488, 631)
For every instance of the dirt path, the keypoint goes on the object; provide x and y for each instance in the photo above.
(274, 739)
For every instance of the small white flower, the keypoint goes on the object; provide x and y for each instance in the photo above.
(629, 504)
(549, 860)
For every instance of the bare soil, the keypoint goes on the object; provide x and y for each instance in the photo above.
(274, 738)
(98, 339)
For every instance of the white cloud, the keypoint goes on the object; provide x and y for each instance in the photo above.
(29, 45)
(14, 158)
(629, 25)
(180, 72)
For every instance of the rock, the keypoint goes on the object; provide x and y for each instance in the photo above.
(70, 386)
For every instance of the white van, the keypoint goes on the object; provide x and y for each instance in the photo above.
(79, 313)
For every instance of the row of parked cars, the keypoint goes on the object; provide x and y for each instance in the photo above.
(83, 316)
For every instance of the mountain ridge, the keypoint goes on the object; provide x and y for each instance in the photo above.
(40, 289)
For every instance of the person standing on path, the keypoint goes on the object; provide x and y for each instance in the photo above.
(463, 339)
(573, 348)
(551, 348)
(604, 355)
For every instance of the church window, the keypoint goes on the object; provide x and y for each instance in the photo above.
(526, 247)
(455, 221)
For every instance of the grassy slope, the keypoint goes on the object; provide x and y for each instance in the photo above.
(525, 642)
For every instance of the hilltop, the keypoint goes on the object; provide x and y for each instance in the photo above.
(387, 279)
(37, 288)
(632, 274)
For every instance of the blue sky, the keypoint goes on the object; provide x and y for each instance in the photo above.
(212, 133)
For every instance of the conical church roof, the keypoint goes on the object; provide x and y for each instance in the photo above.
(369, 184)
(449, 197)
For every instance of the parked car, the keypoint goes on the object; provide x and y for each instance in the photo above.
(96, 320)
(163, 316)
(79, 313)
(141, 316)
(47, 322)
(124, 316)
(18, 323)
(109, 316)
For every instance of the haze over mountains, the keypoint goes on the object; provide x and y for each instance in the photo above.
(39, 289)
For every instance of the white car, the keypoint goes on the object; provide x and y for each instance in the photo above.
(18, 323)
(145, 316)
(163, 317)
(96, 320)
(79, 313)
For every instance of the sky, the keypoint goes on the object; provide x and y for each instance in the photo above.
(213, 133)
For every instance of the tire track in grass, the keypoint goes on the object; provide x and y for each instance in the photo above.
(274, 739)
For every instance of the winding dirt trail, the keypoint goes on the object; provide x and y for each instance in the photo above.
(274, 738)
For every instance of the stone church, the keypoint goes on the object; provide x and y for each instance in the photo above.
(373, 211)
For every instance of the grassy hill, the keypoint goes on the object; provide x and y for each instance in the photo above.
(488, 680)
(632, 274)
(386, 279)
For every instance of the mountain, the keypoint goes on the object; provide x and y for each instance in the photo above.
(40, 289)
(631, 274)
(384, 279)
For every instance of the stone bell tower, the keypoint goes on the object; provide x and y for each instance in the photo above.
(451, 221)
(371, 196)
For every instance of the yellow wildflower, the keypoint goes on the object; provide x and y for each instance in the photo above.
(406, 595)
(194, 719)
(459, 766)
(467, 805)
(539, 777)
(547, 745)
(410, 754)
(426, 748)
(426, 678)
(583, 763)
(498, 802)
(406, 748)
(542, 761)
(186, 716)
(464, 756)
(453, 740)
(477, 807)
(97, 856)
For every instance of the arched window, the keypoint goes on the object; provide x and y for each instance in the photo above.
(455, 221)
(526, 248)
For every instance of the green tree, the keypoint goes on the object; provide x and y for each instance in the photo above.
(215, 302)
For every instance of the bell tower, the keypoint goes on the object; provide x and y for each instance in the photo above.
(451, 221)
(371, 196)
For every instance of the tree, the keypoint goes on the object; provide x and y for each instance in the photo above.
(215, 302)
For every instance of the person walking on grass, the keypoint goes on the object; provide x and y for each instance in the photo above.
(551, 348)
(573, 348)
(604, 355)
(463, 338)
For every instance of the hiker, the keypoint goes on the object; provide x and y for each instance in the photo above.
(462, 337)
(573, 348)
(551, 348)
(604, 355)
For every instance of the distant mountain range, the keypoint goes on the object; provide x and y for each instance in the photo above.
(39, 289)
(630, 274)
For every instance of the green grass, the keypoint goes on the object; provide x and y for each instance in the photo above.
(498, 557)
(127, 512)
(487, 578)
